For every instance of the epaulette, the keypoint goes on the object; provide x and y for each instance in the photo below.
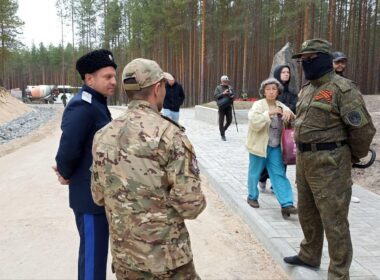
(343, 83)
(173, 122)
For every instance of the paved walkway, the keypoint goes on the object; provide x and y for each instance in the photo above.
(226, 165)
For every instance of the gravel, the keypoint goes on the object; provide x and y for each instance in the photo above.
(23, 125)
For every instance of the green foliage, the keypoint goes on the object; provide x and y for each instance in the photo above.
(10, 25)
(237, 33)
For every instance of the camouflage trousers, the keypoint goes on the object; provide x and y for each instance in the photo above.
(185, 272)
(324, 194)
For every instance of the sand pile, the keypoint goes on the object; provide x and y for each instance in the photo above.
(10, 107)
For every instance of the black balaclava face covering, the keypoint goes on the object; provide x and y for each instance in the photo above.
(317, 67)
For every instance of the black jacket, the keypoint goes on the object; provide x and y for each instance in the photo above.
(288, 97)
(85, 114)
(222, 99)
(174, 97)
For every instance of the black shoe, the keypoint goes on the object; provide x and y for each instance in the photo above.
(289, 210)
(224, 138)
(295, 260)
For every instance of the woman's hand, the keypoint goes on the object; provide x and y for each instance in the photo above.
(287, 116)
(277, 110)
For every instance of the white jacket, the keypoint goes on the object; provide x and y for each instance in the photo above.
(258, 127)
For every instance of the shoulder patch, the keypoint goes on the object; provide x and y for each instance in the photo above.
(192, 161)
(86, 97)
(354, 118)
(173, 122)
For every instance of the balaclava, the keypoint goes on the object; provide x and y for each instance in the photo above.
(317, 67)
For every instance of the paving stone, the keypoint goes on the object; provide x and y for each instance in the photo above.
(226, 166)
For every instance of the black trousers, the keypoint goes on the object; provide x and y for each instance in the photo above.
(265, 176)
(225, 113)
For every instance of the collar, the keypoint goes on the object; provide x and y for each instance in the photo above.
(141, 105)
(97, 95)
(323, 80)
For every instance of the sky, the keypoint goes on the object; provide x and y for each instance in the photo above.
(41, 22)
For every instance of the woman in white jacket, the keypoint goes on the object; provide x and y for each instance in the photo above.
(265, 123)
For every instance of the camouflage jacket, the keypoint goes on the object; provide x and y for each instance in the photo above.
(332, 109)
(145, 173)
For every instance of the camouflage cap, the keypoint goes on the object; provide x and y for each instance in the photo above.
(314, 46)
(144, 72)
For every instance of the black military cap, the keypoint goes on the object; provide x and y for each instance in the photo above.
(339, 56)
(93, 61)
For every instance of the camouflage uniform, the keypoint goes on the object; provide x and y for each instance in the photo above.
(145, 173)
(333, 129)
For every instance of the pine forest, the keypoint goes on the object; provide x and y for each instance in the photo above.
(197, 41)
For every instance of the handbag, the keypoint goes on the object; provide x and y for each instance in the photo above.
(289, 148)
(224, 102)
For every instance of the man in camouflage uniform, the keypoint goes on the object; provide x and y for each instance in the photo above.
(145, 173)
(333, 129)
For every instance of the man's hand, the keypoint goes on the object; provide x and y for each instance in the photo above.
(227, 91)
(62, 180)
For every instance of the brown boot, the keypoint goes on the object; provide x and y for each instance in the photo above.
(253, 203)
(289, 210)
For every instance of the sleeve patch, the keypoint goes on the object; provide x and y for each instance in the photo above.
(354, 118)
(194, 165)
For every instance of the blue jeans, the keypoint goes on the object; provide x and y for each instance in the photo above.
(280, 183)
(171, 114)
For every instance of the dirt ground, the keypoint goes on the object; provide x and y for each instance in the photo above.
(40, 240)
(11, 107)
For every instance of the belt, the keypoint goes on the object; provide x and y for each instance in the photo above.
(329, 146)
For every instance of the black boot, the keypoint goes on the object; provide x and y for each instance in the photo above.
(295, 260)
(289, 210)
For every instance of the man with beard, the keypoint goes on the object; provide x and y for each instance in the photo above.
(146, 175)
(333, 129)
(339, 62)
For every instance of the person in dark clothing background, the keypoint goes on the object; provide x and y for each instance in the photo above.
(339, 62)
(85, 114)
(289, 98)
(224, 97)
(173, 99)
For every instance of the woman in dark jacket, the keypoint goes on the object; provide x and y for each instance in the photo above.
(289, 98)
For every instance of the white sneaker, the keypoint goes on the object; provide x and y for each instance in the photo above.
(355, 199)
(262, 186)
